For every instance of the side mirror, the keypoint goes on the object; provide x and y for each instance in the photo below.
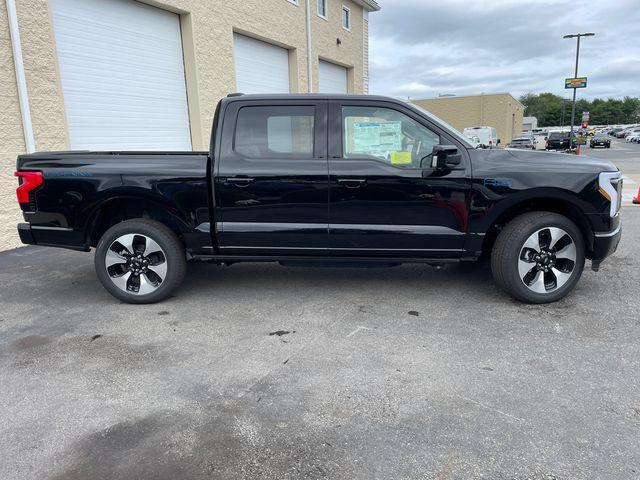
(445, 156)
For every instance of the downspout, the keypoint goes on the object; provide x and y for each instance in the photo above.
(309, 79)
(27, 127)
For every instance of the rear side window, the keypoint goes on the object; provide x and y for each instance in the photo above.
(275, 132)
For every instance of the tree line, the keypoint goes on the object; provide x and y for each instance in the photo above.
(548, 109)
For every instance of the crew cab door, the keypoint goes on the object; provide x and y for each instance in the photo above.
(271, 183)
(387, 198)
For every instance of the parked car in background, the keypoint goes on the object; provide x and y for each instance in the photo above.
(523, 142)
(614, 131)
(600, 140)
(487, 136)
(633, 138)
(474, 140)
(540, 139)
(558, 140)
(631, 134)
(325, 180)
(626, 132)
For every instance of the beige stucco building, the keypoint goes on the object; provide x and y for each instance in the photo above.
(499, 110)
(218, 47)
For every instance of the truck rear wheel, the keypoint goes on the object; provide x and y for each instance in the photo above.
(140, 261)
(538, 257)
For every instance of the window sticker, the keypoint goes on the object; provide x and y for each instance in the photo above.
(377, 138)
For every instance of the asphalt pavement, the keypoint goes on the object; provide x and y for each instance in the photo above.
(258, 371)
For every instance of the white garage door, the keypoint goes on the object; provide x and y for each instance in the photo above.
(332, 78)
(122, 75)
(260, 66)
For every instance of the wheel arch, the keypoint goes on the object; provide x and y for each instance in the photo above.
(561, 204)
(127, 206)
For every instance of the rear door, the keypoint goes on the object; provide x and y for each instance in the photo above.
(386, 199)
(271, 183)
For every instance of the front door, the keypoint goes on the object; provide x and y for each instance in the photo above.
(271, 184)
(386, 196)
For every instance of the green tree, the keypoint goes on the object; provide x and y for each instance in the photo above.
(547, 108)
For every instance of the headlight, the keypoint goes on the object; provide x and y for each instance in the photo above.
(610, 187)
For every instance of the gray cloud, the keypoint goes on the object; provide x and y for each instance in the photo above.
(423, 48)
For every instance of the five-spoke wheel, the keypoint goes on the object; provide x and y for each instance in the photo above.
(140, 261)
(547, 260)
(136, 263)
(538, 257)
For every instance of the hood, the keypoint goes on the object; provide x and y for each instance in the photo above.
(542, 161)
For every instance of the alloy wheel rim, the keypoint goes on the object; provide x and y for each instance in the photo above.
(136, 264)
(547, 260)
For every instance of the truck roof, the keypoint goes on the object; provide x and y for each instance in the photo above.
(305, 96)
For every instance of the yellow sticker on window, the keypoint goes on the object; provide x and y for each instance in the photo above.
(400, 158)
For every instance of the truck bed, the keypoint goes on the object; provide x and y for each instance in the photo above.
(79, 187)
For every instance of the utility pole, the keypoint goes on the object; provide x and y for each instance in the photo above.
(573, 107)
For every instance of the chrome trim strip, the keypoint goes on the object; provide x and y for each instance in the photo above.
(609, 234)
(242, 227)
(59, 229)
(245, 227)
(411, 229)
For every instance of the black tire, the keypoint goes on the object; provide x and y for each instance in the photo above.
(510, 243)
(172, 251)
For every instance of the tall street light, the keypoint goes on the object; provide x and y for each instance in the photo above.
(573, 107)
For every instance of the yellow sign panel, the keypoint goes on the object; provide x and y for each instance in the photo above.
(400, 158)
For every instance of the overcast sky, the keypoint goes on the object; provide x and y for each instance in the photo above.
(423, 48)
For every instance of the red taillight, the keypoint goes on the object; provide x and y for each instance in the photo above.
(30, 181)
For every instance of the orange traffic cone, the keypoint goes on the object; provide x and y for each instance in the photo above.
(636, 199)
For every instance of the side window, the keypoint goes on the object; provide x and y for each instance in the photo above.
(275, 132)
(387, 135)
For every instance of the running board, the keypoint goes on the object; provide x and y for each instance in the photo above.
(328, 261)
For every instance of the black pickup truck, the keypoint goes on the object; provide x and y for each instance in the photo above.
(327, 180)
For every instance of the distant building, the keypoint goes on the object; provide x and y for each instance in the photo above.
(529, 123)
(499, 110)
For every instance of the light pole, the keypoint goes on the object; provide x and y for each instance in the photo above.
(573, 107)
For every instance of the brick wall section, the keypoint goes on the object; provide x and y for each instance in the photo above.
(501, 111)
(214, 22)
(12, 138)
(325, 41)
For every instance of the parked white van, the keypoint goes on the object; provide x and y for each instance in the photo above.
(487, 136)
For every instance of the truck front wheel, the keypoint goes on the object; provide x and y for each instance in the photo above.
(538, 257)
(140, 261)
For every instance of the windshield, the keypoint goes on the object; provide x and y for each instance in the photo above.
(445, 125)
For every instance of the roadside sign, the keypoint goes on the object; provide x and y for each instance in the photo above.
(578, 82)
(585, 116)
(580, 141)
(585, 124)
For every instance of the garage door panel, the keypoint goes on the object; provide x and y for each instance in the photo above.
(260, 66)
(122, 75)
(332, 78)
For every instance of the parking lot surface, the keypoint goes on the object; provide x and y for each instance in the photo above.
(260, 371)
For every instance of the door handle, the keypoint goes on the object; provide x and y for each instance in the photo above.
(240, 181)
(352, 182)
